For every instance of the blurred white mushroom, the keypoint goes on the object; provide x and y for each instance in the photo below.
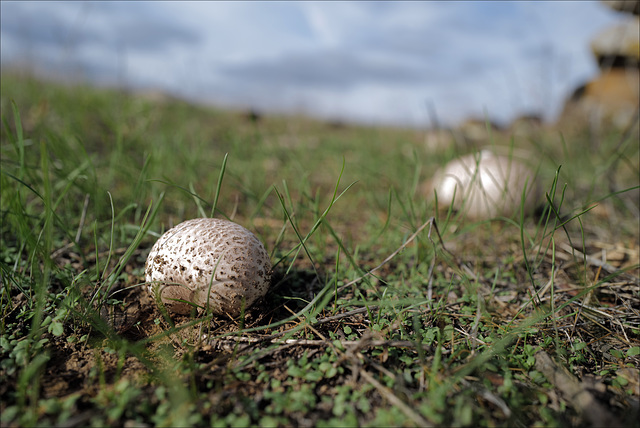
(484, 185)
(212, 263)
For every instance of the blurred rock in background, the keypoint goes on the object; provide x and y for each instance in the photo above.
(630, 6)
(612, 98)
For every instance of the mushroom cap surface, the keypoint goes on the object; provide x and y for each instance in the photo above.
(485, 185)
(213, 263)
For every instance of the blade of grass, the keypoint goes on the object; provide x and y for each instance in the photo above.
(219, 185)
(197, 201)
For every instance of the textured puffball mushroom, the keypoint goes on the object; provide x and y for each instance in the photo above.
(213, 263)
(485, 185)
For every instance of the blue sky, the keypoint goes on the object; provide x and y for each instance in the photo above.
(370, 62)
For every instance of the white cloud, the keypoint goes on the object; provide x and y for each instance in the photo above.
(371, 61)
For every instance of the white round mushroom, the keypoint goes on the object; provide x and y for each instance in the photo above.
(484, 185)
(212, 263)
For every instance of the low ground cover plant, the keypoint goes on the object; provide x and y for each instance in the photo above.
(382, 310)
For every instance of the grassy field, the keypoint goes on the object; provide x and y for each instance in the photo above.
(382, 311)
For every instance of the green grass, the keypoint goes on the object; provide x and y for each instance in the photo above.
(382, 311)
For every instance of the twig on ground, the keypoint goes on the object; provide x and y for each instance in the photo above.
(233, 341)
(572, 254)
(575, 392)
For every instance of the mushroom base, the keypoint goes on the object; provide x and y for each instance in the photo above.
(173, 297)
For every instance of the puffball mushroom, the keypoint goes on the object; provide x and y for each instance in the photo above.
(485, 185)
(213, 263)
